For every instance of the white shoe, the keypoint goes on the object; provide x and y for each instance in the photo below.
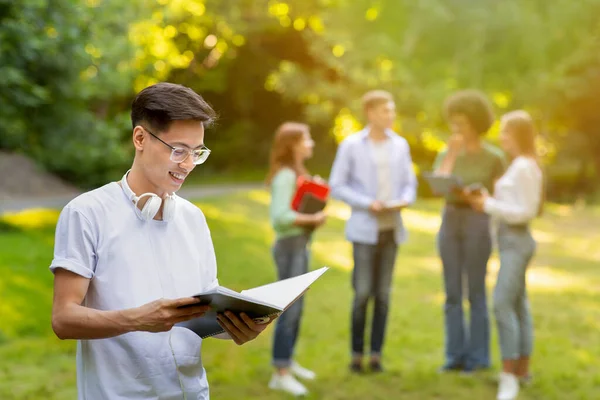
(508, 387)
(301, 372)
(287, 383)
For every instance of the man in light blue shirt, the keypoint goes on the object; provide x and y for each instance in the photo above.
(373, 173)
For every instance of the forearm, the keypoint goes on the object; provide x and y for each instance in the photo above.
(78, 322)
(447, 165)
(291, 218)
(351, 197)
(304, 220)
(510, 213)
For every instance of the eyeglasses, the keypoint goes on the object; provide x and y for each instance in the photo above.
(179, 154)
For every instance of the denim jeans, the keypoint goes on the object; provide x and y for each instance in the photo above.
(291, 258)
(511, 307)
(464, 244)
(372, 278)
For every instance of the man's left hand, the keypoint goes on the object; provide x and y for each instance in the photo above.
(242, 328)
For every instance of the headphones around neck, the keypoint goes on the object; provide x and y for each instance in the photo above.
(150, 209)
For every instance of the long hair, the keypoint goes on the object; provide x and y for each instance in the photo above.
(287, 136)
(523, 131)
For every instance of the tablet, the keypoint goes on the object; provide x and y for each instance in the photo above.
(442, 184)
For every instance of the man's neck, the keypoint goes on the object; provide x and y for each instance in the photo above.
(140, 185)
(377, 134)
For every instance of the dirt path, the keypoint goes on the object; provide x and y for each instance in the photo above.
(59, 201)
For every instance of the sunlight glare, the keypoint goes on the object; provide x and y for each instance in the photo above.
(421, 221)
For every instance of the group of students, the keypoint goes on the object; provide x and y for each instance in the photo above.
(130, 256)
(373, 174)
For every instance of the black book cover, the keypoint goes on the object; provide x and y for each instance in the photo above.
(311, 204)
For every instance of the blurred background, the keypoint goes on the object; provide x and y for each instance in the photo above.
(70, 69)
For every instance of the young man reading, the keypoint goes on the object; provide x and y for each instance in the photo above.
(129, 254)
(373, 173)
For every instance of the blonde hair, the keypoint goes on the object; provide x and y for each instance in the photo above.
(522, 129)
(286, 138)
(521, 125)
(374, 98)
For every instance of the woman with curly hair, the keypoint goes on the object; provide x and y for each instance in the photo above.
(464, 241)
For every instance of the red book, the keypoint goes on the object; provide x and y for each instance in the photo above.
(304, 187)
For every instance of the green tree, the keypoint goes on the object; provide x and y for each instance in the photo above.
(64, 67)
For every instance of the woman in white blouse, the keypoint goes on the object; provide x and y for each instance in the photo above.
(517, 200)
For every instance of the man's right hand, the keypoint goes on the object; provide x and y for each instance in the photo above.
(376, 207)
(160, 315)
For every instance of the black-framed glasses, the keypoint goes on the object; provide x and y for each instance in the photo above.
(180, 154)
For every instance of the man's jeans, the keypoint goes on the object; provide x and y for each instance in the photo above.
(464, 244)
(372, 278)
(291, 258)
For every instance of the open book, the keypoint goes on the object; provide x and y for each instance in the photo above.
(260, 303)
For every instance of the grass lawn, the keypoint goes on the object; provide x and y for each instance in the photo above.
(564, 284)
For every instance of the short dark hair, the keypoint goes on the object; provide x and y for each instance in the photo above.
(374, 98)
(161, 104)
(474, 105)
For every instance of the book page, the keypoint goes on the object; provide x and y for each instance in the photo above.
(284, 292)
(395, 205)
(224, 290)
(235, 295)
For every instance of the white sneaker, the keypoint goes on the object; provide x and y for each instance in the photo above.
(287, 383)
(508, 387)
(301, 372)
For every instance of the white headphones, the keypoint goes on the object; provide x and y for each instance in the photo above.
(148, 212)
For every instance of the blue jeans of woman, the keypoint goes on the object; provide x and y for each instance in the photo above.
(511, 307)
(291, 259)
(464, 244)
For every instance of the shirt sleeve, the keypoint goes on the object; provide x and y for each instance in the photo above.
(409, 191)
(282, 191)
(525, 203)
(75, 244)
(209, 266)
(340, 180)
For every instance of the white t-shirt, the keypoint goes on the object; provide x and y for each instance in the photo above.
(132, 262)
(381, 153)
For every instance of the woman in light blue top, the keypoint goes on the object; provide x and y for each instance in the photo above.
(291, 146)
(518, 198)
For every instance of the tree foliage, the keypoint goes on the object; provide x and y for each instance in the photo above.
(71, 68)
(64, 76)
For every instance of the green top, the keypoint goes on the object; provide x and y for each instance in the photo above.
(483, 167)
(282, 216)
